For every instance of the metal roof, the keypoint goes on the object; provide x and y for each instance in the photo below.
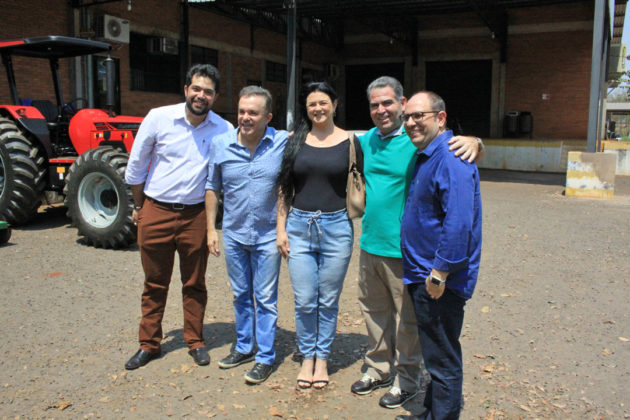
(357, 8)
(321, 20)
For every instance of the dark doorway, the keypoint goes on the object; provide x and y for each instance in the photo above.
(358, 77)
(466, 87)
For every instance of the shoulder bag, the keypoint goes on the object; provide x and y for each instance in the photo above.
(355, 188)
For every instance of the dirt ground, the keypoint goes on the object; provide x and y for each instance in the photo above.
(547, 334)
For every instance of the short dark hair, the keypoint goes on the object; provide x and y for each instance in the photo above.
(204, 70)
(385, 81)
(254, 90)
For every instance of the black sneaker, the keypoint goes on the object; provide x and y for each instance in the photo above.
(259, 373)
(367, 384)
(396, 397)
(234, 359)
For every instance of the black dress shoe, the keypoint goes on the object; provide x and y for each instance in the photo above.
(396, 397)
(139, 359)
(200, 356)
(368, 384)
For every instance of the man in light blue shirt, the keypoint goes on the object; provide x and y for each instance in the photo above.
(245, 164)
(167, 170)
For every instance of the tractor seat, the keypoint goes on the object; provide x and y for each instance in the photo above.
(48, 110)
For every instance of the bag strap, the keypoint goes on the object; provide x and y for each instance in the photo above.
(353, 154)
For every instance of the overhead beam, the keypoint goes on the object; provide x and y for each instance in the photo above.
(291, 62)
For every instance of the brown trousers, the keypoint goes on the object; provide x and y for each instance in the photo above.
(391, 322)
(161, 232)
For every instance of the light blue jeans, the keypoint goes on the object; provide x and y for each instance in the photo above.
(320, 250)
(253, 272)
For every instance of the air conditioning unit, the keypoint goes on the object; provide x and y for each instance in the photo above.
(163, 46)
(616, 61)
(112, 28)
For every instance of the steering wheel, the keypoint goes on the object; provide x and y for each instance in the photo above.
(72, 106)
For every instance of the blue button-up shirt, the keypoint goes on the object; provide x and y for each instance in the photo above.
(170, 155)
(248, 183)
(441, 226)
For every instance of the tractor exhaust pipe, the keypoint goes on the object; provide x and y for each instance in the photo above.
(110, 83)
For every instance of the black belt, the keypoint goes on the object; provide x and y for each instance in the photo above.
(176, 206)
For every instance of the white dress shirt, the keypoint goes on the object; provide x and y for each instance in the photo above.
(170, 155)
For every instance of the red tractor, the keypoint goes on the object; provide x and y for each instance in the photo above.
(58, 149)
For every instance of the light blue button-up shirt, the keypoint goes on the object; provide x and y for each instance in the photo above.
(170, 155)
(248, 184)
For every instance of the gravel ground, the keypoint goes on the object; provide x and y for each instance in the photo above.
(547, 334)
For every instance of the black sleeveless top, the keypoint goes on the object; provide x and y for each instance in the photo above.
(320, 175)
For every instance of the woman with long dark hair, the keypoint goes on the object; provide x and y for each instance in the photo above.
(316, 235)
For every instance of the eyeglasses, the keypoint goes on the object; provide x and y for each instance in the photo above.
(417, 116)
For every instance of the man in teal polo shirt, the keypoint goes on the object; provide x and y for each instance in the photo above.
(394, 357)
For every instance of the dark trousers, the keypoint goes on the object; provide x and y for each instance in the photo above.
(439, 327)
(161, 233)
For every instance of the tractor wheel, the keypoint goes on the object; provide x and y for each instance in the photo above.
(22, 174)
(98, 200)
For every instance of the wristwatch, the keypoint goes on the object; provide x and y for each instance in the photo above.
(437, 281)
(137, 208)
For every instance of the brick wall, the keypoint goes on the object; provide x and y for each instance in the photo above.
(240, 60)
(27, 19)
(553, 63)
(558, 67)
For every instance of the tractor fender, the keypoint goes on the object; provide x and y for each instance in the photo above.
(32, 121)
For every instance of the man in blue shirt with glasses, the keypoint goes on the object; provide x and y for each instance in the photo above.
(441, 249)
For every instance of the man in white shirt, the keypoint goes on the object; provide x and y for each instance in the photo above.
(167, 171)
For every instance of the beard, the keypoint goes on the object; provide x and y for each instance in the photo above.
(203, 111)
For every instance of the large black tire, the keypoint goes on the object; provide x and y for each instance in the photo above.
(98, 200)
(22, 174)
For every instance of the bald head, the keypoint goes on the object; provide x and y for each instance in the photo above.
(424, 118)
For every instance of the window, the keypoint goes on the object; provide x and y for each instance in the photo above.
(154, 64)
(202, 55)
(276, 72)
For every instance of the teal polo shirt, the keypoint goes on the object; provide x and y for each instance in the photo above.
(388, 168)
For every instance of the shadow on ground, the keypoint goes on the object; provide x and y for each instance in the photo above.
(540, 178)
(348, 348)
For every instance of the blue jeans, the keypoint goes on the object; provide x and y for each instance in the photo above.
(253, 272)
(320, 249)
(439, 327)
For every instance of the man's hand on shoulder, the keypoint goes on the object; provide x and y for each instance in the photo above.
(467, 148)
